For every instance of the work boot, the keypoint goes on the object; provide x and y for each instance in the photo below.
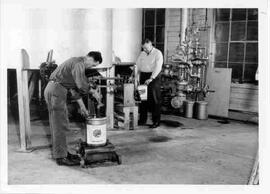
(66, 162)
(154, 125)
(72, 156)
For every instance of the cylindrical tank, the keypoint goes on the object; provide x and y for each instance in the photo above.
(188, 108)
(69, 32)
(73, 32)
(127, 33)
(201, 110)
(14, 33)
(184, 23)
(96, 131)
(84, 30)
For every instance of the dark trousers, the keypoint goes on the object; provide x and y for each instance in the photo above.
(153, 99)
(55, 96)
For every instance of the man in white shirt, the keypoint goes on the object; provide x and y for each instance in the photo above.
(148, 68)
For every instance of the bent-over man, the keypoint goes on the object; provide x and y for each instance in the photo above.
(69, 76)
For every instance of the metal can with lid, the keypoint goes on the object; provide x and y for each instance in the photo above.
(188, 108)
(201, 110)
(96, 131)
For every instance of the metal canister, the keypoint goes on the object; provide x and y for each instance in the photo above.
(96, 131)
(201, 110)
(188, 108)
(143, 92)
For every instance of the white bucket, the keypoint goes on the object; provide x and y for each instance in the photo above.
(96, 131)
(143, 92)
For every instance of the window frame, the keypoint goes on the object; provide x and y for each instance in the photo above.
(155, 27)
(213, 42)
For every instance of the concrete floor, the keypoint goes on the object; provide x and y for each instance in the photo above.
(197, 152)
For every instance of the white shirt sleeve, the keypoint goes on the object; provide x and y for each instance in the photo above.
(138, 63)
(158, 66)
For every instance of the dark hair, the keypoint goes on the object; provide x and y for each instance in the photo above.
(95, 55)
(147, 40)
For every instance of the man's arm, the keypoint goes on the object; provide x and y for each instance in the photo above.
(78, 74)
(157, 69)
(83, 109)
(80, 79)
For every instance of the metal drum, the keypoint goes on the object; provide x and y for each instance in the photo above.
(96, 131)
(188, 108)
(201, 110)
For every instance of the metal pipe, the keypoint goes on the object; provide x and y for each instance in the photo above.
(184, 22)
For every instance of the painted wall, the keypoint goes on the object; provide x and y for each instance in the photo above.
(244, 97)
(12, 34)
(69, 32)
(173, 26)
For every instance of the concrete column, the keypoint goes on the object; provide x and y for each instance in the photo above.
(127, 34)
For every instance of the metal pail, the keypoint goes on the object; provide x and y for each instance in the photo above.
(143, 92)
(201, 110)
(96, 131)
(188, 108)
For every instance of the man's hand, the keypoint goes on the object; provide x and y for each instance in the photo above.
(148, 81)
(84, 111)
(96, 94)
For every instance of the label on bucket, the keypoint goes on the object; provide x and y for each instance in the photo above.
(143, 91)
(96, 134)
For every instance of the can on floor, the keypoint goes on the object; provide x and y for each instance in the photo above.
(201, 110)
(96, 131)
(188, 108)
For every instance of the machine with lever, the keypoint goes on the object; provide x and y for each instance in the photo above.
(96, 148)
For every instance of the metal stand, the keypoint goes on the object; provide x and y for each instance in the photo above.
(97, 154)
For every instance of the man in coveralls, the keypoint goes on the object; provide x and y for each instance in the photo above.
(69, 76)
(148, 68)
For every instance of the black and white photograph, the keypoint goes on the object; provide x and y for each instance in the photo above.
(140, 95)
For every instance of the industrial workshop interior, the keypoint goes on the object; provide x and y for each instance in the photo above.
(132, 95)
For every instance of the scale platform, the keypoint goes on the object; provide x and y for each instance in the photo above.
(90, 154)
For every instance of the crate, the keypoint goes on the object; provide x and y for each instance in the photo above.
(126, 117)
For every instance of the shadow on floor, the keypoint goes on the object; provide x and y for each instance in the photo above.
(170, 123)
(159, 138)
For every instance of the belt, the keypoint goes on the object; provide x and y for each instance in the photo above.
(56, 82)
(53, 81)
(147, 72)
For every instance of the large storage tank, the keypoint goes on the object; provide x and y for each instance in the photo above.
(74, 32)
(12, 34)
(127, 33)
(69, 32)
(91, 30)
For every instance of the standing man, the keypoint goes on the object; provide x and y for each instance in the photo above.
(148, 68)
(69, 76)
